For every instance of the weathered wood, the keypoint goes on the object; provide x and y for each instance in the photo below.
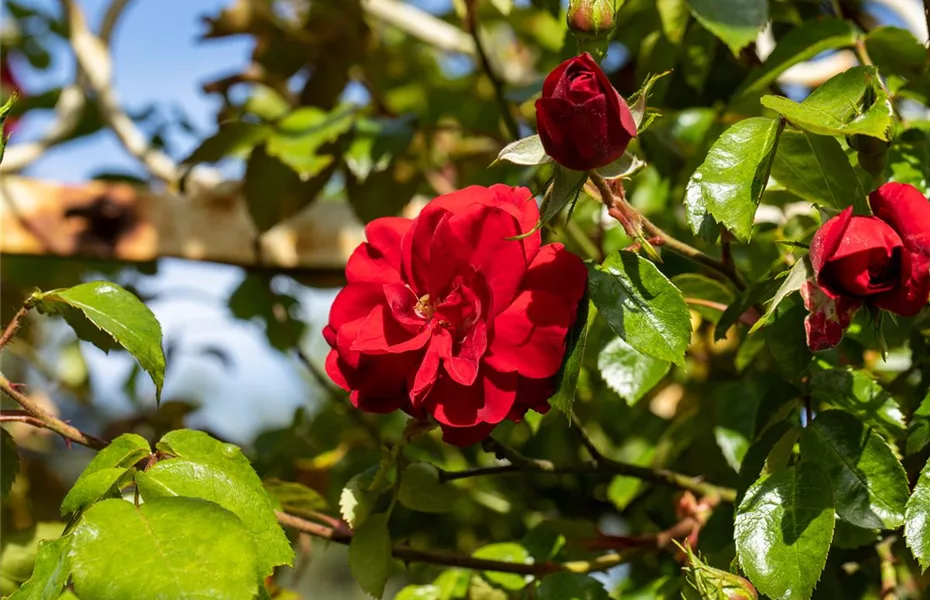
(118, 221)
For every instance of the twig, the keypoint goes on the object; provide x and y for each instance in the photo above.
(610, 200)
(471, 24)
(605, 466)
(408, 554)
(422, 25)
(49, 421)
(888, 569)
(13, 326)
(585, 440)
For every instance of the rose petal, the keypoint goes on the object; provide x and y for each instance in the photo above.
(488, 401)
(913, 289)
(463, 367)
(379, 260)
(828, 317)
(557, 271)
(865, 261)
(379, 333)
(440, 345)
(529, 337)
(907, 211)
(466, 436)
(354, 302)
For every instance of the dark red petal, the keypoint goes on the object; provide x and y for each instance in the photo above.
(466, 436)
(907, 211)
(423, 381)
(865, 260)
(555, 77)
(354, 302)
(488, 400)
(377, 404)
(379, 333)
(463, 367)
(579, 137)
(913, 288)
(379, 260)
(529, 337)
(558, 271)
(828, 318)
(827, 239)
(335, 368)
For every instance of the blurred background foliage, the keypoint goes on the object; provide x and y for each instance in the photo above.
(368, 103)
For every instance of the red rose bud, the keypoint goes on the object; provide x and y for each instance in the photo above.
(591, 18)
(883, 260)
(582, 120)
(445, 317)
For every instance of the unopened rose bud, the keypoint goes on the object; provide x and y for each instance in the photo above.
(592, 22)
(707, 582)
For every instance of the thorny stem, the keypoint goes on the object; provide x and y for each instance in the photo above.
(408, 554)
(604, 466)
(617, 206)
(49, 421)
(13, 326)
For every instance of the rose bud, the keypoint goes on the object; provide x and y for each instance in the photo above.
(583, 122)
(445, 317)
(591, 18)
(883, 260)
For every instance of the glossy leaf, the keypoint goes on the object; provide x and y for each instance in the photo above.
(642, 306)
(783, 530)
(421, 490)
(735, 22)
(509, 552)
(106, 469)
(815, 168)
(869, 483)
(849, 103)
(729, 183)
(108, 316)
(370, 554)
(50, 573)
(798, 45)
(167, 548)
(792, 282)
(9, 462)
(209, 469)
(858, 393)
(917, 519)
(526, 151)
(918, 430)
(570, 586)
(629, 372)
(567, 377)
(90, 488)
(736, 406)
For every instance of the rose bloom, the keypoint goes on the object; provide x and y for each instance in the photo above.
(443, 316)
(883, 260)
(583, 122)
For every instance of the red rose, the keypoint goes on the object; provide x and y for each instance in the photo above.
(445, 317)
(583, 122)
(883, 260)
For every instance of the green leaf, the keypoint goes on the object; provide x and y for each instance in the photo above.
(735, 22)
(729, 183)
(209, 469)
(642, 306)
(917, 519)
(815, 168)
(699, 52)
(570, 586)
(18, 555)
(798, 45)
(700, 287)
(566, 185)
(106, 315)
(849, 103)
(745, 301)
(510, 552)
(299, 136)
(896, 51)
(231, 139)
(357, 499)
(105, 470)
(295, 497)
(909, 159)
(674, 17)
(736, 406)
(783, 530)
(166, 548)
(370, 554)
(637, 102)
(918, 430)
(623, 168)
(786, 340)
(869, 483)
(527, 151)
(567, 378)
(761, 456)
(421, 490)
(50, 573)
(377, 142)
(628, 372)
(792, 282)
(858, 393)
(9, 462)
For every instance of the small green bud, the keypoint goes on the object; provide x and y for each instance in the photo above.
(708, 583)
(592, 22)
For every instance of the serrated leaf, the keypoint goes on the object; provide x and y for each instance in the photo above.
(628, 372)
(212, 470)
(510, 552)
(642, 306)
(570, 586)
(792, 282)
(786, 340)
(729, 183)
(917, 519)
(783, 530)
(90, 488)
(105, 470)
(167, 548)
(108, 316)
(370, 554)
(735, 22)
(624, 167)
(231, 139)
(295, 497)
(869, 483)
(858, 393)
(421, 490)
(756, 460)
(798, 45)
(815, 168)
(918, 430)
(526, 151)
(9, 462)
(575, 342)
(852, 102)
(50, 573)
